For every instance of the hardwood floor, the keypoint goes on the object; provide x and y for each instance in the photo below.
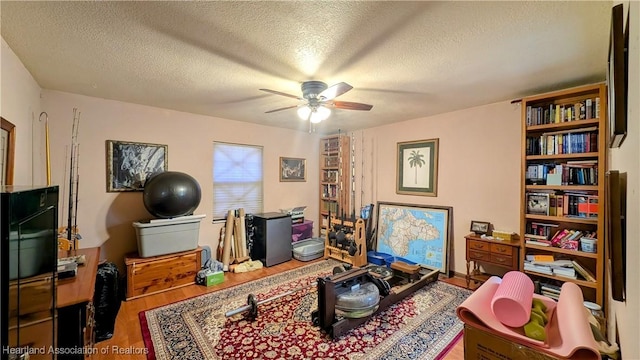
(127, 342)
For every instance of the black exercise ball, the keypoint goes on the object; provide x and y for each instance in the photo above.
(170, 194)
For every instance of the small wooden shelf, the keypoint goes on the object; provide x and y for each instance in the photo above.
(335, 157)
(588, 155)
(584, 283)
(563, 187)
(565, 219)
(562, 251)
(568, 125)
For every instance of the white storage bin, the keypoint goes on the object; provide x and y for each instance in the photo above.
(167, 236)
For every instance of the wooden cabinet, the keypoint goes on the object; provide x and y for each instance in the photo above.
(76, 325)
(564, 144)
(504, 254)
(335, 179)
(155, 274)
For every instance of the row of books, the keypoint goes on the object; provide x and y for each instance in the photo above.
(329, 206)
(330, 176)
(564, 239)
(550, 290)
(575, 141)
(563, 204)
(545, 232)
(566, 268)
(329, 191)
(558, 113)
(578, 172)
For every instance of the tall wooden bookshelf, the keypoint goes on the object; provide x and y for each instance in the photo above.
(335, 179)
(564, 133)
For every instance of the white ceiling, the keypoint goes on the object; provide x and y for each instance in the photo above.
(408, 59)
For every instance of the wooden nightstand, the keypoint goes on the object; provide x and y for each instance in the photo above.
(500, 253)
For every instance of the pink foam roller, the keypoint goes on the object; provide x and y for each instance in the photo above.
(511, 303)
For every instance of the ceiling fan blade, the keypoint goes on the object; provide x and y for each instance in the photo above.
(281, 93)
(279, 109)
(334, 91)
(347, 105)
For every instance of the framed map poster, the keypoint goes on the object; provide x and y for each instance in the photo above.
(420, 234)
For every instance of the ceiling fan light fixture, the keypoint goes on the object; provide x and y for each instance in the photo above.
(315, 115)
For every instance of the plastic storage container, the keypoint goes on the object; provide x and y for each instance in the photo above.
(167, 236)
(30, 253)
(310, 249)
(302, 231)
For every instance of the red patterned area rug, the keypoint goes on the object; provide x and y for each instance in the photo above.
(424, 325)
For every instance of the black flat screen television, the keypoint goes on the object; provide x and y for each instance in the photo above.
(617, 79)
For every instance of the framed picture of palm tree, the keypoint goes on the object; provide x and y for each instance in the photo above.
(417, 168)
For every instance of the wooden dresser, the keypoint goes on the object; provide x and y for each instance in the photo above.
(501, 253)
(74, 302)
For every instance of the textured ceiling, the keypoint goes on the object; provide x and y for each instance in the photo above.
(408, 59)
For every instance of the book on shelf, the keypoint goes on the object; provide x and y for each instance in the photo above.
(583, 271)
(558, 113)
(565, 272)
(550, 288)
(551, 295)
(549, 261)
(538, 268)
(538, 242)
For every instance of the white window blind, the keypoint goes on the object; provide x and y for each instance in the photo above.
(237, 178)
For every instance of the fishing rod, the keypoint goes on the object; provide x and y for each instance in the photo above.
(74, 141)
(46, 145)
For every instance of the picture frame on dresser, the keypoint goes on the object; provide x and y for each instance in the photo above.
(480, 227)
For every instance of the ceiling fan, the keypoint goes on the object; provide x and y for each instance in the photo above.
(318, 99)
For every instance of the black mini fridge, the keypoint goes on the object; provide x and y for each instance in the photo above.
(271, 238)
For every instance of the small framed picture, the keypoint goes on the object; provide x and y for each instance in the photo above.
(293, 169)
(480, 227)
(538, 204)
(130, 164)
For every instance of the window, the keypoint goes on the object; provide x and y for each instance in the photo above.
(237, 178)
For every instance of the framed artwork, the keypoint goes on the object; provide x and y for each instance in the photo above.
(130, 164)
(616, 79)
(419, 234)
(417, 168)
(538, 203)
(616, 188)
(293, 169)
(7, 151)
(480, 227)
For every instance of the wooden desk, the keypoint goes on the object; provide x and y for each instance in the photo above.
(500, 253)
(74, 302)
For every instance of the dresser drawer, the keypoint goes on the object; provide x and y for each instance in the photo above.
(502, 260)
(501, 249)
(478, 255)
(478, 245)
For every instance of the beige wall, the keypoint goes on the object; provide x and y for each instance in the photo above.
(105, 219)
(627, 159)
(478, 167)
(20, 104)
